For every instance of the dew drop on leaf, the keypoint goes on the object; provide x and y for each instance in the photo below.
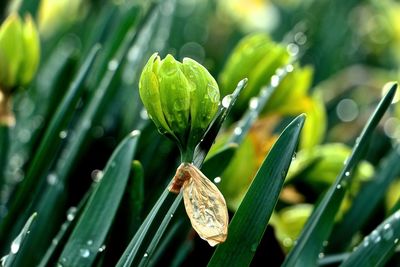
(84, 252)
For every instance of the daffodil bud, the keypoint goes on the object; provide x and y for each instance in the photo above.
(256, 57)
(19, 52)
(19, 59)
(181, 99)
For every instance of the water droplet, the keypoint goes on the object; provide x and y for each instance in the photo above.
(289, 68)
(63, 134)
(375, 237)
(217, 180)
(84, 252)
(226, 101)
(145, 255)
(387, 231)
(293, 49)
(113, 65)
(396, 241)
(280, 72)
(97, 175)
(212, 92)
(89, 242)
(339, 186)
(397, 215)
(24, 135)
(71, 213)
(287, 242)
(275, 80)
(102, 248)
(254, 247)
(347, 110)
(172, 215)
(321, 255)
(135, 133)
(179, 105)
(300, 38)
(54, 242)
(3, 260)
(325, 243)
(144, 115)
(347, 174)
(355, 248)
(237, 131)
(253, 103)
(15, 245)
(52, 179)
(242, 82)
(366, 242)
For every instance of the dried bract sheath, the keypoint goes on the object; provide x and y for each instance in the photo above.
(204, 203)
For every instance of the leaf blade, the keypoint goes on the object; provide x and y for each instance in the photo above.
(95, 221)
(248, 225)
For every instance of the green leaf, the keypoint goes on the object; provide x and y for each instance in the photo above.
(365, 202)
(18, 242)
(377, 248)
(251, 219)
(93, 225)
(320, 223)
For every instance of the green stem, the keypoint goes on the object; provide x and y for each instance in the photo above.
(187, 155)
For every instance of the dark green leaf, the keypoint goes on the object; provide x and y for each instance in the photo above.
(320, 223)
(93, 225)
(251, 219)
(18, 242)
(377, 248)
(366, 202)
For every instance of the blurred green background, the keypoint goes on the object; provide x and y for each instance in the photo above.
(343, 54)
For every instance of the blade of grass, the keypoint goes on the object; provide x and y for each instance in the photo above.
(92, 227)
(365, 202)
(377, 248)
(144, 240)
(18, 242)
(251, 219)
(320, 223)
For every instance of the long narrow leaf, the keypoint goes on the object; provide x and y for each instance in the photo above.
(18, 242)
(377, 248)
(251, 219)
(93, 225)
(366, 202)
(320, 223)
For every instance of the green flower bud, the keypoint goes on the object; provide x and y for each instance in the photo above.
(256, 57)
(181, 99)
(19, 52)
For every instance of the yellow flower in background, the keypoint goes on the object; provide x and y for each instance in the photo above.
(250, 15)
(19, 51)
(56, 15)
(19, 60)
